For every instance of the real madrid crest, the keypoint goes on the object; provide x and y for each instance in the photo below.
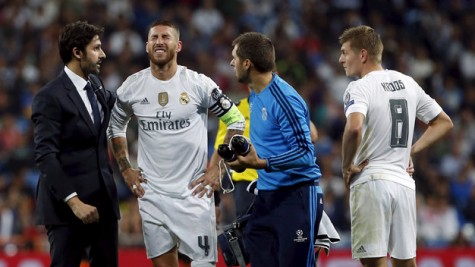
(163, 98)
(264, 114)
(184, 98)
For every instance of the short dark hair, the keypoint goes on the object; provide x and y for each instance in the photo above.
(165, 23)
(364, 37)
(77, 34)
(258, 48)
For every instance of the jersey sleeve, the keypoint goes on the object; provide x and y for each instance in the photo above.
(222, 106)
(120, 114)
(355, 100)
(294, 126)
(427, 107)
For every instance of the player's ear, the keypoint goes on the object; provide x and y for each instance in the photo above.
(146, 47)
(76, 53)
(363, 55)
(247, 63)
(179, 46)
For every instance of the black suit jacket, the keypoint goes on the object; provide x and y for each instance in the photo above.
(71, 154)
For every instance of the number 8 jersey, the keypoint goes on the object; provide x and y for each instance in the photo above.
(390, 102)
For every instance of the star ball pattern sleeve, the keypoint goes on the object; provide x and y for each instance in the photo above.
(172, 118)
(390, 102)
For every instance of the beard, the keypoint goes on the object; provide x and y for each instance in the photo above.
(89, 67)
(245, 77)
(163, 60)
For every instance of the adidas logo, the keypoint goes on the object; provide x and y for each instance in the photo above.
(361, 250)
(144, 101)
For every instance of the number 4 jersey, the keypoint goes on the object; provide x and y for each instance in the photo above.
(390, 102)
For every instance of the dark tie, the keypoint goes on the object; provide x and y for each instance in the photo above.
(95, 107)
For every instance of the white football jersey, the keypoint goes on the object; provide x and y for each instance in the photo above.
(390, 102)
(172, 121)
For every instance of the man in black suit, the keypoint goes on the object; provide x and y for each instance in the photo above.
(76, 195)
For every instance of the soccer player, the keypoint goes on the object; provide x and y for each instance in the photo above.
(288, 208)
(381, 109)
(171, 104)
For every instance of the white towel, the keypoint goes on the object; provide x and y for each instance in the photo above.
(327, 234)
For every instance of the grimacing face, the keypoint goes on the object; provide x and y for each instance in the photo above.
(93, 57)
(350, 60)
(162, 45)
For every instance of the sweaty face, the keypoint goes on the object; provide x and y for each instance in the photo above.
(350, 60)
(93, 57)
(241, 72)
(162, 45)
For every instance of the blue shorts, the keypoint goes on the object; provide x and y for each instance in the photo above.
(283, 225)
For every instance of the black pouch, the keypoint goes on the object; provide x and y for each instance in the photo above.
(232, 245)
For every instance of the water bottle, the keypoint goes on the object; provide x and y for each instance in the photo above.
(240, 145)
(228, 154)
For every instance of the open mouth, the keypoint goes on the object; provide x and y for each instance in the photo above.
(159, 50)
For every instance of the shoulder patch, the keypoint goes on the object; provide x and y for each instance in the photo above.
(215, 94)
(348, 101)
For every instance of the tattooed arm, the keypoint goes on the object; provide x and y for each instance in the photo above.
(132, 177)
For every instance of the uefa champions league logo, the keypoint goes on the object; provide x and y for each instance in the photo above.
(300, 237)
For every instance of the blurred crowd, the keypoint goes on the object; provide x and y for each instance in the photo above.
(430, 40)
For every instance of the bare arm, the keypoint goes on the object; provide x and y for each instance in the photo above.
(350, 144)
(230, 115)
(436, 129)
(120, 150)
(132, 177)
(212, 176)
(215, 158)
(351, 138)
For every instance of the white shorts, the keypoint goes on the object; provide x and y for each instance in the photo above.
(383, 220)
(188, 223)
